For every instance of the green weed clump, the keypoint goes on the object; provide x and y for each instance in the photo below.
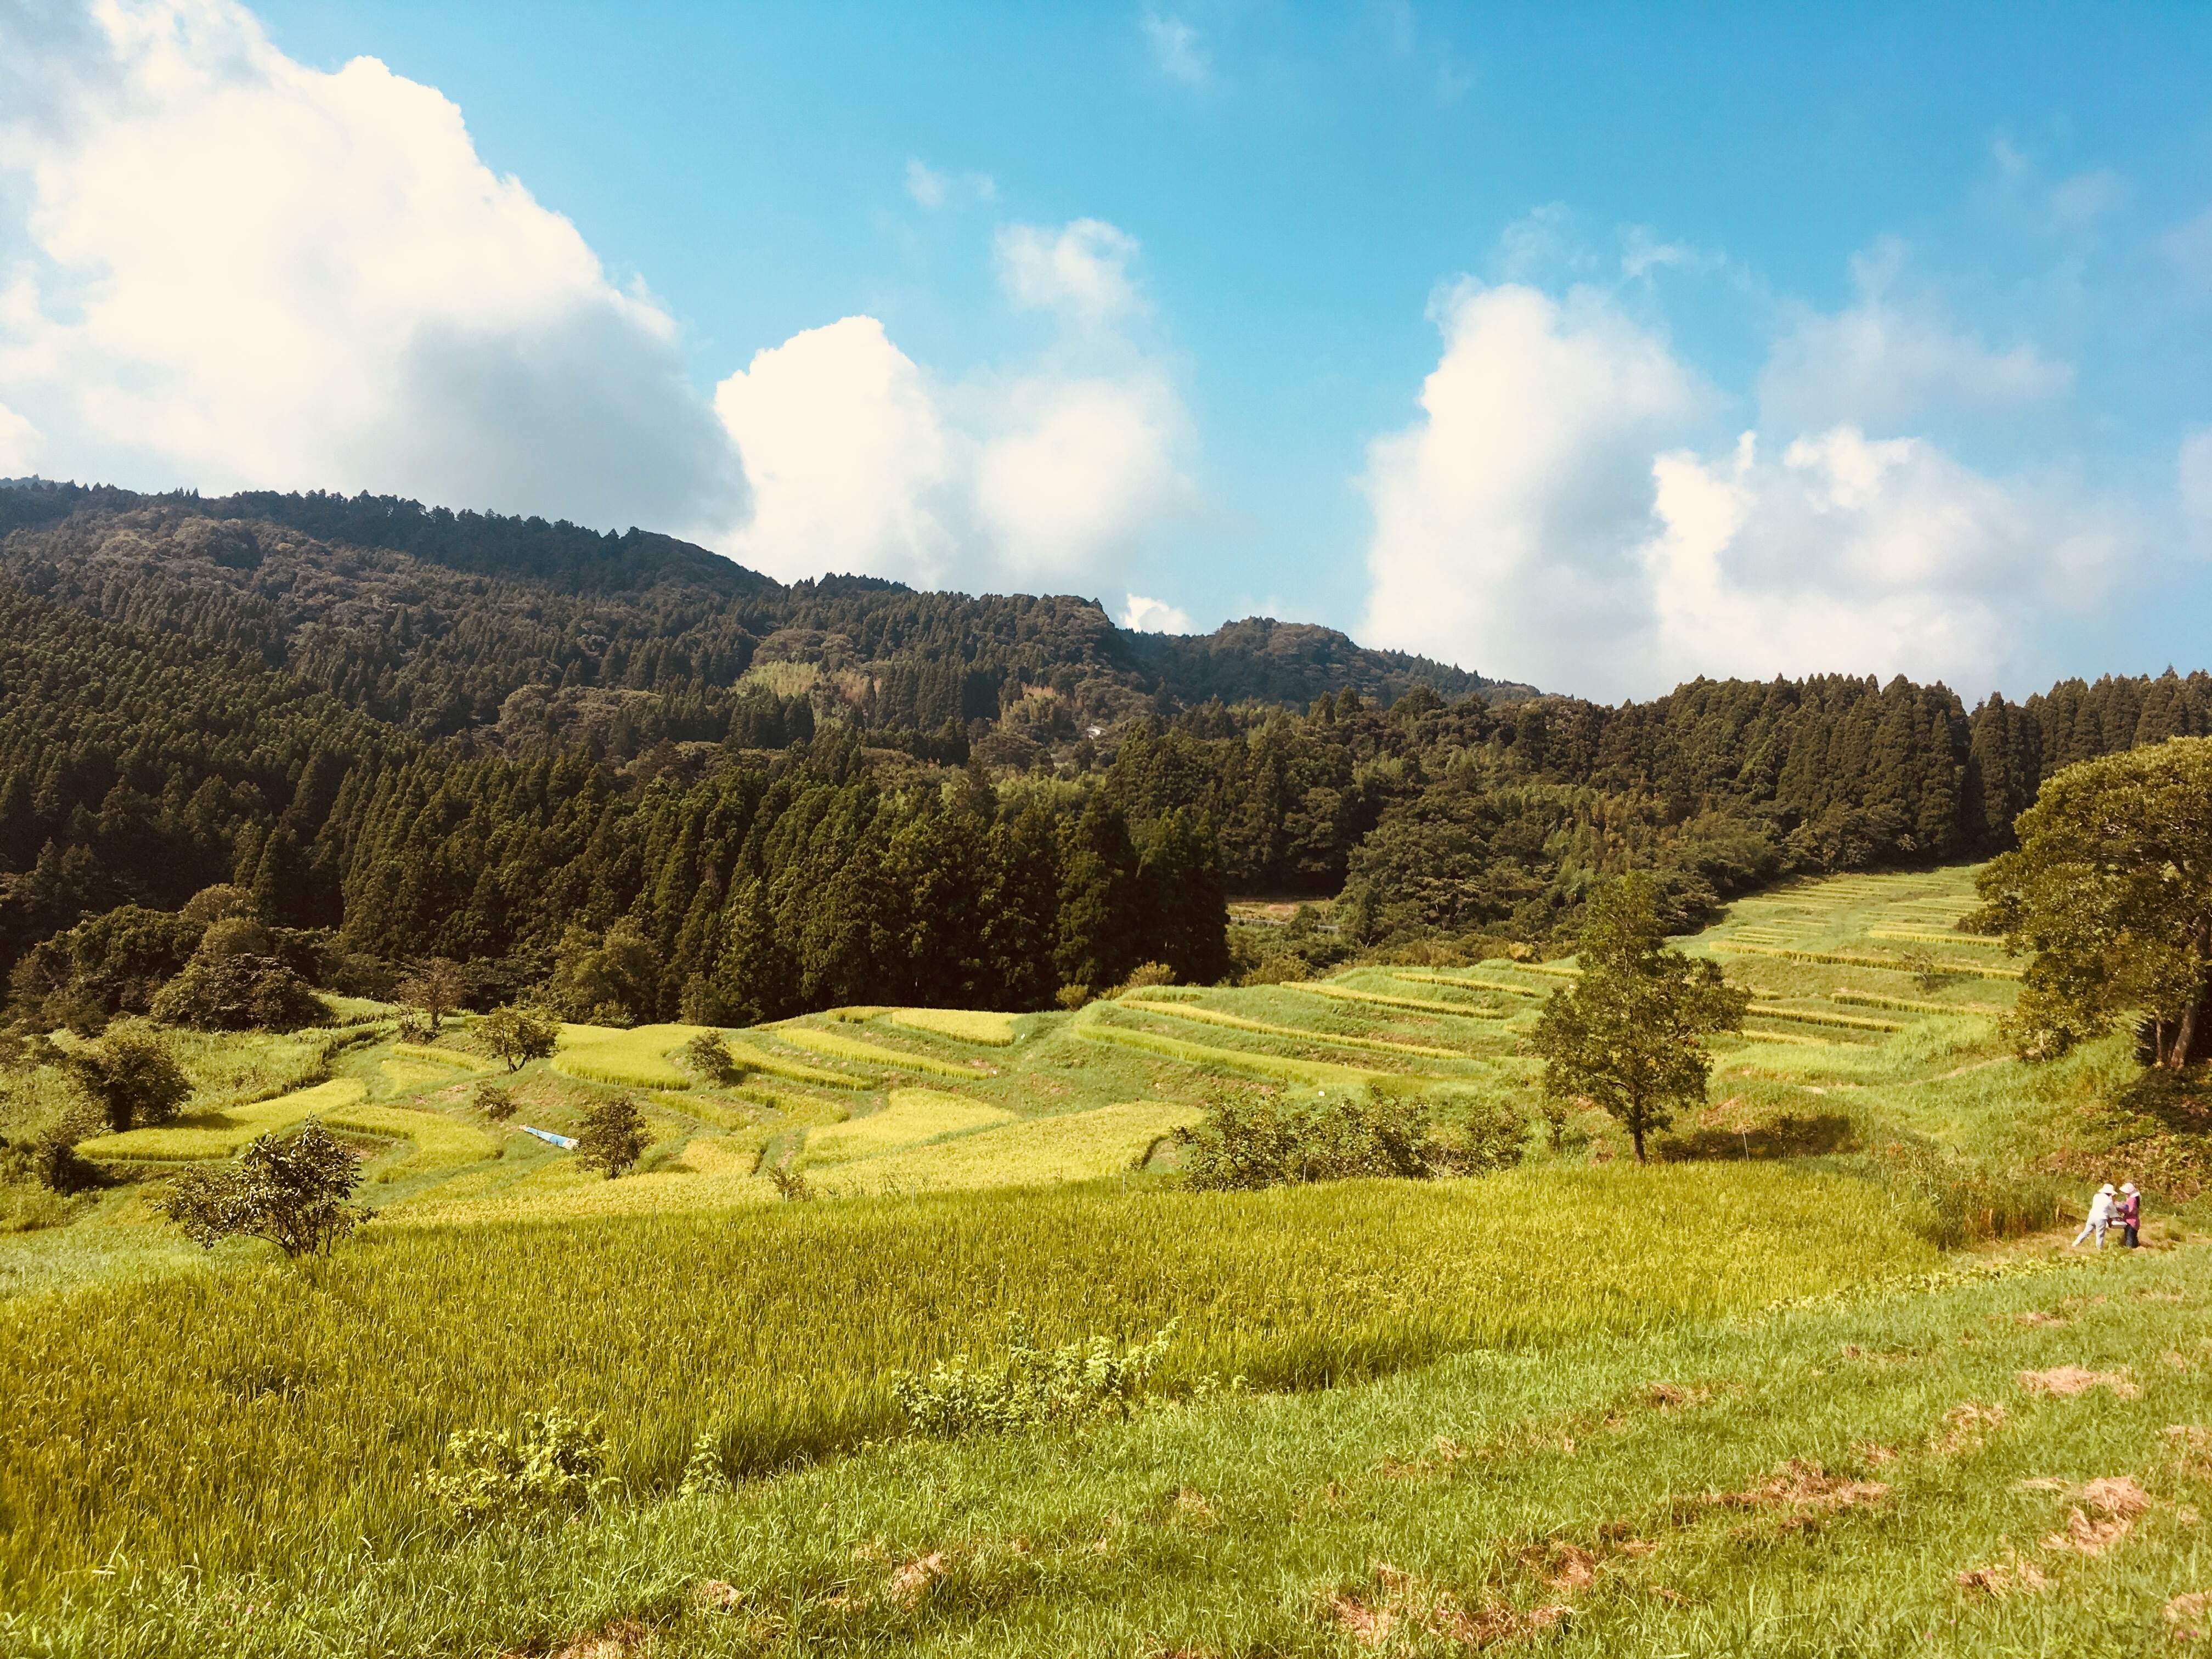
(1032, 1388)
(554, 1466)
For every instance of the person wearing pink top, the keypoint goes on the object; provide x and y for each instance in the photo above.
(2131, 1215)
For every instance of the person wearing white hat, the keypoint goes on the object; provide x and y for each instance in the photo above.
(2101, 1217)
(2130, 1215)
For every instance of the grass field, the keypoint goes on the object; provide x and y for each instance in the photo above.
(1455, 1419)
(164, 1427)
(966, 1024)
(207, 1134)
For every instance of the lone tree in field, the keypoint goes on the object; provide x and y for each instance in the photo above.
(1630, 1034)
(292, 1193)
(134, 1080)
(2112, 889)
(437, 989)
(612, 1136)
(517, 1034)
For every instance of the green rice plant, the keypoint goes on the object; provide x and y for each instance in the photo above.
(1818, 1017)
(1873, 999)
(1975, 970)
(1468, 981)
(869, 1053)
(436, 1056)
(913, 1115)
(1039, 1152)
(1231, 1059)
(962, 1025)
(1346, 994)
(1268, 1028)
(1952, 938)
(358, 1011)
(150, 1418)
(439, 1142)
(859, 1013)
(209, 1134)
(636, 1057)
(750, 1057)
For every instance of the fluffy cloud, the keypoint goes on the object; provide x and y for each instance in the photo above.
(233, 270)
(1880, 363)
(1507, 517)
(860, 461)
(1143, 616)
(1081, 271)
(1544, 520)
(1856, 554)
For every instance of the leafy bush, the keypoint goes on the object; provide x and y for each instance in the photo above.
(710, 1055)
(519, 1034)
(1084, 1382)
(49, 1157)
(1251, 1142)
(494, 1102)
(240, 993)
(555, 1465)
(132, 1078)
(292, 1193)
(612, 1136)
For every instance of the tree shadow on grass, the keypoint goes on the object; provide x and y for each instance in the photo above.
(2180, 1102)
(1787, 1136)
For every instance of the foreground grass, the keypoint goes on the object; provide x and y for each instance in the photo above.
(1793, 1483)
(233, 1418)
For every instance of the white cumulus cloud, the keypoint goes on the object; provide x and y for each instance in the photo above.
(1054, 474)
(1545, 520)
(238, 271)
(1141, 615)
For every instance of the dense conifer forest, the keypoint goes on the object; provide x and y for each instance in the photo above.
(628, 776)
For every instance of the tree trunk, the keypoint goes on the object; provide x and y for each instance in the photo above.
(2184, 1031)
(1636, 1134)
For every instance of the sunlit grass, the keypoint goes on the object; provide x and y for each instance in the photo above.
(962, 1025)
(219, 1134)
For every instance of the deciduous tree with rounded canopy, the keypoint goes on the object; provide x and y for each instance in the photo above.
(2110, 888)
(1629, 1037)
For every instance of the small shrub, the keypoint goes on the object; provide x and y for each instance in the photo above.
(437, 988)
(1253, 1142)
(710, 1055)
(516, 1035)
(1144, 976)
(1072, 997)
(292, 1193)
(1084, 1382)
(494, 1102)
(555, 1467)
(613, 1135)
(49, 1158)
(132, 1078)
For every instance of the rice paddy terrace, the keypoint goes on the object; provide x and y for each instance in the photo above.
(1864, 993)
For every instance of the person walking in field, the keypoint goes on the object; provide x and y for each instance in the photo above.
(2101, 1217)
(2130, 1215)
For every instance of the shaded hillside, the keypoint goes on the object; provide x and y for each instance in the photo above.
(432, 620)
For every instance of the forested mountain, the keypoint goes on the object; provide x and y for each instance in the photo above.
(625, 774)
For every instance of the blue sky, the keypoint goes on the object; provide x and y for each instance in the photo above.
(1443, 324)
